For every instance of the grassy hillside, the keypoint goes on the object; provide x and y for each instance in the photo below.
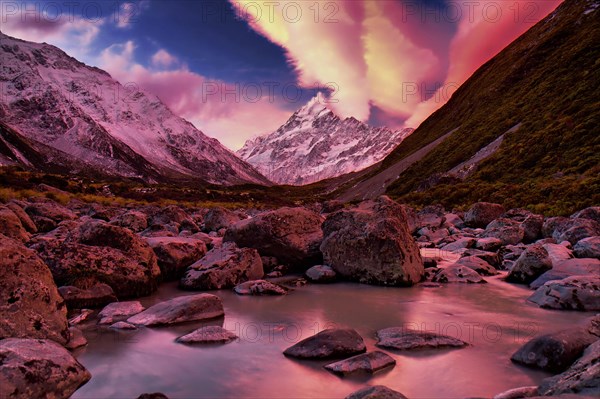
(548, 80)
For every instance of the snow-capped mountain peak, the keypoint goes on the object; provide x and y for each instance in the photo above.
(316, 144)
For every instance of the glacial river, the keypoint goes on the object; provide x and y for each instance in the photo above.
(494, 318)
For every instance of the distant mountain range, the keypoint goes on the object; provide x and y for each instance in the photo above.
(315, 144)
(59, 114)
(524, 130)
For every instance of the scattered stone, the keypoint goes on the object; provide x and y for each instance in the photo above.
(48, 214)
(458, 274)
(94, 297)
(582, 378)
(577, 230)
(571, 293)
(370, 363)
(554, 352)
(483, 213)
(330, 343)
(558, 253)
(208, 335)
(179, 310)
(371, 244)
(592, 213)
(509, 231)
(36, 368)
(172, 214)
(223, 267)
(588, 248)
(133, 220)
(568, 268)
(11, 226)
(292, 235)
(479, 265)
(218, 218)
(94, 251)
(77, 340)
(465, 242)
(30, 305)
(81, 317)
(26, 221)
(117, 311)
(490, 257)
(488, 244)
(321, 274)
(530, 265)
(175, 254)
(400, 338)
(376, 392)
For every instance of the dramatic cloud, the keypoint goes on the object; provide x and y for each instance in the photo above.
(231, 113)
(370, 49)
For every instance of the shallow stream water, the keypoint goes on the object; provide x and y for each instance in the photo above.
(494, 318)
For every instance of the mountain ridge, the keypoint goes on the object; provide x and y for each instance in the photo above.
(56, 100)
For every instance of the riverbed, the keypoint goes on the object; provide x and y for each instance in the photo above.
(494, 318)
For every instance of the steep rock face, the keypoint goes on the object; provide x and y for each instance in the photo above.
(52, 102)
(315, 144)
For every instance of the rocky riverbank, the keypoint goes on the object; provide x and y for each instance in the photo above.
(64, 265)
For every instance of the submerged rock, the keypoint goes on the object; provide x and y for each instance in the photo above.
(372, 244)
(208, 335)
(123, 325)
(330, 343)
(259, 287)
(76, 340)
(554, 352)
(35, 368)
(321, 274)
(179, 310)
(376, 392)
(371, 363)
(223, 267)
(400, 338)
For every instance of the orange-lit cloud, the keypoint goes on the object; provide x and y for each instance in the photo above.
(369, 49)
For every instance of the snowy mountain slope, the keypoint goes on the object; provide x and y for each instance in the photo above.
(51, 98)
(315, 144)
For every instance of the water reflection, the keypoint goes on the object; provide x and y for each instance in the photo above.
(494, 318)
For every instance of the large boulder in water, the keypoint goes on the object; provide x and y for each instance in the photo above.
(372, 244)
(179, 310)
(530, 265)
(582, 378)
(30, 305)
(401, 338)
(482, 213)
(35, 368)
(223, 267)
(292, 235)
(571, 293)
(175, 254)
(568, 268)
(554, 352)
(330, 343)
(95, 296)
(93, 251)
